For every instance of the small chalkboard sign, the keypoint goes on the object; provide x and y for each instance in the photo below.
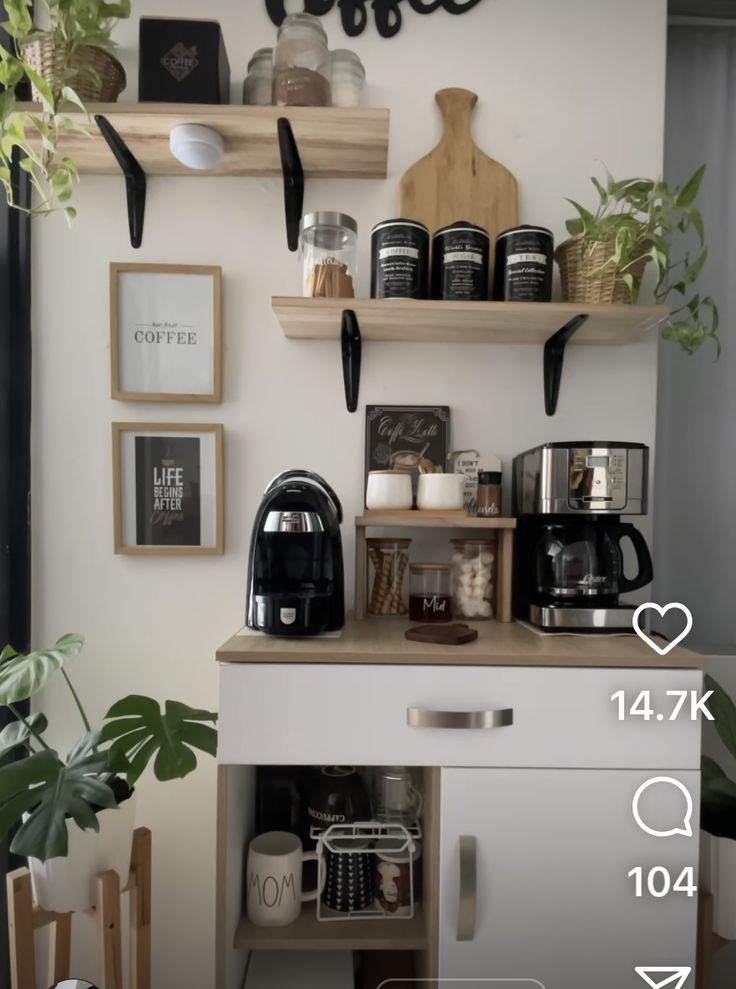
(412, 438)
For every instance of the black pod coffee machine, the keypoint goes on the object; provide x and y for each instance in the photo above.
(295, 569)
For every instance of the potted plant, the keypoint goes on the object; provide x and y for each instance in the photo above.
(74, 815)
(69, 62)
(637, 222)
(718, 818)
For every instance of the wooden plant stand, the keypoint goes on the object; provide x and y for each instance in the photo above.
(24, 918)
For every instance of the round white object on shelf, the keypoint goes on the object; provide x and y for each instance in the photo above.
(196, 146)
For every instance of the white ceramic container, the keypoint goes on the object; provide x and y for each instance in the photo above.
(440, 492)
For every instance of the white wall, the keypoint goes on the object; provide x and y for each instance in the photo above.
(555, 96)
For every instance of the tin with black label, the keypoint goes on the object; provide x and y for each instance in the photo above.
(523, 265)
(460, 255)
(399, 260)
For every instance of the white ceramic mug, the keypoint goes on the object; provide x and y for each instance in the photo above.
(388, 490)
(274, 879)
(440, 492)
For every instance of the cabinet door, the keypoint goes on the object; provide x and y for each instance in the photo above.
(553, 901)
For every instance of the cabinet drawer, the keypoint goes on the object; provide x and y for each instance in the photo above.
(359, 715)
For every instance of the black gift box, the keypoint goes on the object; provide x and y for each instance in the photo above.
(182, 61)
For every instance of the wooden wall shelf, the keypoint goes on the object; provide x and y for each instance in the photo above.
(425, 321)
(430, 520)
(308, 933)
(333, 142)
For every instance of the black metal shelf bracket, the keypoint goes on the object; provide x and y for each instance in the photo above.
(352, 352)
(291, 167)
(135, 178)
(554, 356)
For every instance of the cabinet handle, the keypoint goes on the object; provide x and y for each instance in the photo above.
(468, 889)
(419, 717)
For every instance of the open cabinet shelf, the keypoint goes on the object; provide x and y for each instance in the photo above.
(427, 321)
(430, 520)
(333, 142)
(307, 932)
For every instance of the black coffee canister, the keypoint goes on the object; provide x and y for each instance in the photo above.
(460, 254)
(523, 265)
(399, 260)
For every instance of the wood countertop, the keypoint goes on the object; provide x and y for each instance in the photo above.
(381, 640)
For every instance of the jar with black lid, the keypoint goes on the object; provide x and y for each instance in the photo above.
(523, 265)
(399, 260)
(460, 255)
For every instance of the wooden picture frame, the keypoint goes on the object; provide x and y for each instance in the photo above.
(168, 488)
(165, 332)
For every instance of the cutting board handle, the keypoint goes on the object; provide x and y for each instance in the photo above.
(457, 106)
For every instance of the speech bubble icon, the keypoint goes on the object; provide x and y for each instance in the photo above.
(686, 828)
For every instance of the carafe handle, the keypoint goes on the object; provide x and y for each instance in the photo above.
(645, 571)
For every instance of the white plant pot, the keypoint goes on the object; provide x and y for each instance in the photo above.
(718, 877)
(68, 883)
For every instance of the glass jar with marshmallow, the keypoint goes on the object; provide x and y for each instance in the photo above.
(474, 577)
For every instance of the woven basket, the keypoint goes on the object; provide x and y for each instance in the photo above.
(581, 279)
(103, 84)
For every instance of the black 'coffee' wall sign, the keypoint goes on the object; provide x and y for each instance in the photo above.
(355, 16)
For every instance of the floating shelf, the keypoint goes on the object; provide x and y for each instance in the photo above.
(424, 321)
(333, 142)
(308, 933)
(430, 520)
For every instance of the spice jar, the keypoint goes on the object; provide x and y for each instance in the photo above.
(473, 577)
(348, 78)
(328, 250)
(390, 558)
(429, 593)
(302, 68)
(258, 85)
(399, 260)
(488, 494)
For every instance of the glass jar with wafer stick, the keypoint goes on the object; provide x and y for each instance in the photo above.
(390, 561)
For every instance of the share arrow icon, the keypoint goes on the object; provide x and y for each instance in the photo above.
(663, 977)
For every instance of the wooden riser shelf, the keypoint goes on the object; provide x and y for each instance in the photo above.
(309, 933)
(430, 520)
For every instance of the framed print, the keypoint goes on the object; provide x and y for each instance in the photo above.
(412, 438)
(166, 332)
(167, 488)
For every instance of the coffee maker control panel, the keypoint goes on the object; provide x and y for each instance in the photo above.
(582, 478)
(597, 479)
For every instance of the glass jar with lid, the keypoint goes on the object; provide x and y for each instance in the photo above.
(348, 78)
(328, 248)
(390, 558)
(474, 577)
(258, 85)
(429, 593)
(302, 67)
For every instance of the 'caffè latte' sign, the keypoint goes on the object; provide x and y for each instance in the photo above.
(354, 13)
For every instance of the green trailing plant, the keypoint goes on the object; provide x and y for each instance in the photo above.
(646, 220)
(34, 134)
(40, 790)
(718, 795)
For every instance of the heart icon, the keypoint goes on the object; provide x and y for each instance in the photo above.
(673, 606)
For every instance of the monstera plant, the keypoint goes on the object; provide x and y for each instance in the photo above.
(42, 791)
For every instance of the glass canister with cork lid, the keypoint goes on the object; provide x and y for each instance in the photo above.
(474, 577)
(328, 248)
(302, 67)
(430, 599)
(390, 559)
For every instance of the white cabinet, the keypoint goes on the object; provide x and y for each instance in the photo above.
(553, 901)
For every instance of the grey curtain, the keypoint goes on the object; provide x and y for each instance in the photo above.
(695, 493)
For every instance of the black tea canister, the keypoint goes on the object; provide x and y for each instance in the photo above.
(523, 265)
(399, 260)
(460, 255)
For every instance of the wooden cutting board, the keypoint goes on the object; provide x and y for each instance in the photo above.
(457, 181)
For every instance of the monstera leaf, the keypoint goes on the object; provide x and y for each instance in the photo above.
(723, 710)
(22, 676)
(50, 791)
(17, 733)
(138, 730)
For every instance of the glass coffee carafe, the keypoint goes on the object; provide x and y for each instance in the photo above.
(584, 560)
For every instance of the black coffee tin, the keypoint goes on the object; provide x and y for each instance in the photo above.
(523, 265)
(460, 256)
(400, 260)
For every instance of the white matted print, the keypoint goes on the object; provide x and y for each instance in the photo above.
(166, 332)
(167, 491)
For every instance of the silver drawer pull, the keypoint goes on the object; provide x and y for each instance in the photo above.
(468, 889)
(419, 717)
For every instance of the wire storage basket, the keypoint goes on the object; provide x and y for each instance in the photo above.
(368, 870)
